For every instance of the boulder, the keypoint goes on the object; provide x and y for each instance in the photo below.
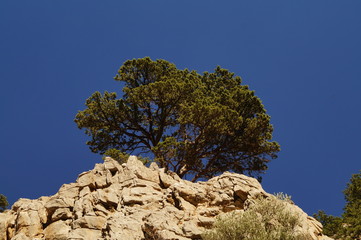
(89, 222)
(4, 223)
(21, 236)
(86, 179)
(61, 214)
(84, 234)
(58, 230)
(29, 223)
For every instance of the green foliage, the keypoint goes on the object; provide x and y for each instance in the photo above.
(3, 203)
(352, 210)
(348, 226)
(331, 224)
(199, 124)
(266, 219)
(122, 157)
(117, 155)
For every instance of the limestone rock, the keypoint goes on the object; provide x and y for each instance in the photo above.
(58, 230)
(90, 222)
(59, 202)
(141, 171)
(5, 220)
(132, 202)
(69, 190)
(86, 179)
(124, 227)
(61, 214)
(29, 223)
(84, 234)
(20, 236)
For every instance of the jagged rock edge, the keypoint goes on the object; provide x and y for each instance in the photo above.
(131, 201)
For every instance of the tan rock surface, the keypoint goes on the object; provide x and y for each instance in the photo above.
(132, 202)
(58, 230)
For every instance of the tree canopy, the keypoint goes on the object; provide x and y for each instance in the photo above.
(348, 225)
(198, 124)
(352, 210)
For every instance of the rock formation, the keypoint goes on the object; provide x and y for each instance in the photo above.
(132, 202)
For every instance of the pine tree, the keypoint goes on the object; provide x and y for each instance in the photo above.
(198, 124)
(347, 227)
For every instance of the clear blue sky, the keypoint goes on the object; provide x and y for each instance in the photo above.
(303, 59)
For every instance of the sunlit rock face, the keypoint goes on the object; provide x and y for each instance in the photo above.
(132, 202)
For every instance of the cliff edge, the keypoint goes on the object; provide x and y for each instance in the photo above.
(133, 202)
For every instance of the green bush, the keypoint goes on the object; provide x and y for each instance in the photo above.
(122, 157)
(266, 219)
(117, 155)
(3, 203)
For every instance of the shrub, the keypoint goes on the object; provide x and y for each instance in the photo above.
(266, 219)
(3, 203)
(117, 155)
(122, 157)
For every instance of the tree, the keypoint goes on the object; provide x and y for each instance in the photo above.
(3, 203)
(348, 226)
(198, 124)
(352, 210)
(331, 224)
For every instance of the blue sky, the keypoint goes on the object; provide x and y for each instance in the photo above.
(303, 59)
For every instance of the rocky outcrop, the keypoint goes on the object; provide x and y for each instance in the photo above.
(131, 202)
